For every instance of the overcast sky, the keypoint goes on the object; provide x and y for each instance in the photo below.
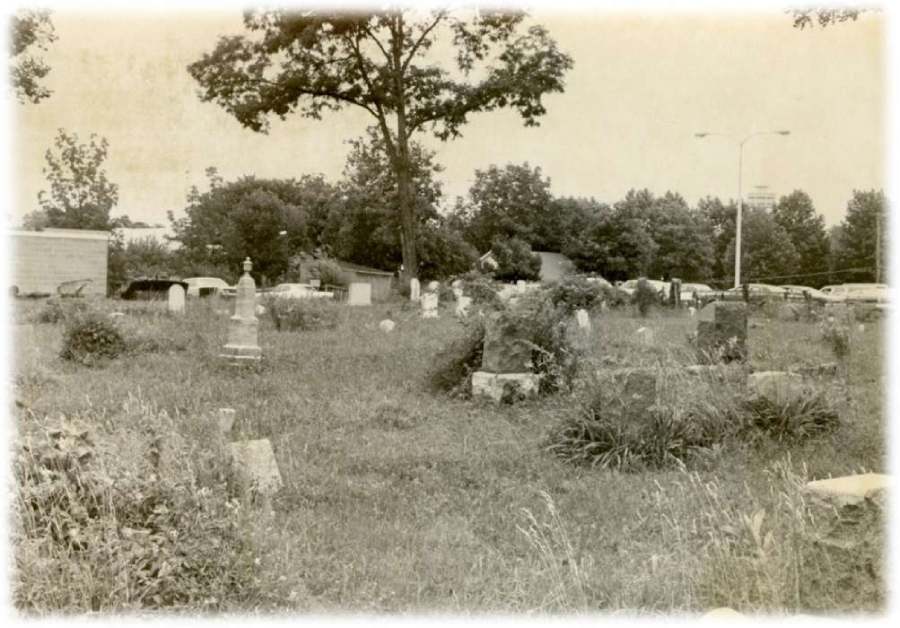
(642, 85)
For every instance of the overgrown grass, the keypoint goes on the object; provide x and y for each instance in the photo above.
(401, 501)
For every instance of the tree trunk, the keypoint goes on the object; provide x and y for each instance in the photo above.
(406, 200)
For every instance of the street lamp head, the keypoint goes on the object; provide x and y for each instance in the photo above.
(783, 132)
(700, 135)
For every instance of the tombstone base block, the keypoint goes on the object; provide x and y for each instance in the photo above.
(500, 386)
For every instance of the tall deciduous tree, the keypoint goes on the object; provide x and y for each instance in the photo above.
(80, 195)
(806, 229)
(386, 63)
(862, 239)
(31, 31)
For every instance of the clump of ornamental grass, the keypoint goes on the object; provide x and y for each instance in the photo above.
(791, 418)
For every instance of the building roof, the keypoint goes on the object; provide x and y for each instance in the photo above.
(366, 270)
(79, 234)
(554, 266)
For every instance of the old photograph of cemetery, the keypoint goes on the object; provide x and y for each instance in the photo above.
(462, 310)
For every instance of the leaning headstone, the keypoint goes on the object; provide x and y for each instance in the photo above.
(583, 320)
(226, 420)
(776, 386)
(506, 367)
(722, 332)
(360, 294)
(387, 325)
(414, 289)
(255, 466)
(430, 305)
(462, 306)
(243, 328)
(176, 299)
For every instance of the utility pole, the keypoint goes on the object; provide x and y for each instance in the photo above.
(877, 247)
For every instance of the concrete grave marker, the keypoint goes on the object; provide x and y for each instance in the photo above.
(433, 286)
(430, 305)
(387, 325)
(255, 466)
(243, 327)
(583, 320)
(722, 331)
(414, 289)
(462, 306)
(176, 299)
(506, 367)
(360, 294)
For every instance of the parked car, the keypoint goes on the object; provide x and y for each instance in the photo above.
(798, 293)
(696, 291)
(145, 288)
(297, 291)
(630, 286)
(862, 292)
(205, 286)
(757, 291)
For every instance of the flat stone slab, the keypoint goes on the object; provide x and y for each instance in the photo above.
(495, 385)
(255, 465)
(850, 489)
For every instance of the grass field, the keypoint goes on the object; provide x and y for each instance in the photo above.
(399, 500)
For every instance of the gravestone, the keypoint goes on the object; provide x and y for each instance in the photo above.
(462, 306)
(583, 320)
(430, 305)
(414, 289)
(521, 286)
(506, 367)
(243, 327)
(675, 293)
(722, 332)
(359, 294)
(433, 286)
(387, 325)
(692, 310)
(176, 299)
(255, 466)
(637, 390)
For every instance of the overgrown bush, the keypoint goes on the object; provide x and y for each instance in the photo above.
(452, 369)
(90, 538)
(544, 326)
(645, 297)
(302, 314)
(515, 260)
(330, 273)
(574, 293)
(56, 311)
(91, 338)
(481, 289)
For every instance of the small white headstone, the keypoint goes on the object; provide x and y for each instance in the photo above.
(692, 310)
(414, 289)
(430, 305)
(462, 306)
(862, 327)
(457, 292)
(176, 299)
(360, 294)
(386, 325)
(584, 321)
(315, 283)
(520, 286)
(260, 310)
(433, 286)
(255, 465)
(456, 284)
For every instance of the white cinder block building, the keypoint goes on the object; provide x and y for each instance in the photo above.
(42, 260)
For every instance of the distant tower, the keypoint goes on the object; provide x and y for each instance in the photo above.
(761, 198)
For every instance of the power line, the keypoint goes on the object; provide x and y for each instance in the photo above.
(795, 276)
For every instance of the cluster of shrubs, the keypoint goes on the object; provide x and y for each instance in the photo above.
(604, 433)
(302, 314)
(92, 538)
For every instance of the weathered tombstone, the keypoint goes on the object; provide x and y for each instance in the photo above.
(583, 320)
(776, 386)
(387, 325)
(520, 286)
(359, 294)
(433, 286)
(243, 328)
(692, 310)
(315, 283)
(255, 466)
(457, 284)
(505, 363)
(644, 335)
(722, 332)
(462, 306)
(226, 420)
(430, 305)
(638, 390)
(675, 293)
(861, 328)
(176, 299)
(414, 289)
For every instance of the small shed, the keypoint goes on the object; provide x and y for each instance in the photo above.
(45, 260)
(380, 280)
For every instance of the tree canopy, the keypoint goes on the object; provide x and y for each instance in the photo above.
(385, 63)
(30, 31)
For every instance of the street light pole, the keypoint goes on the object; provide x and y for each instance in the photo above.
(740, 208)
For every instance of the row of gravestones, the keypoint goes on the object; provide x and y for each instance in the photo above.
(430, 299)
